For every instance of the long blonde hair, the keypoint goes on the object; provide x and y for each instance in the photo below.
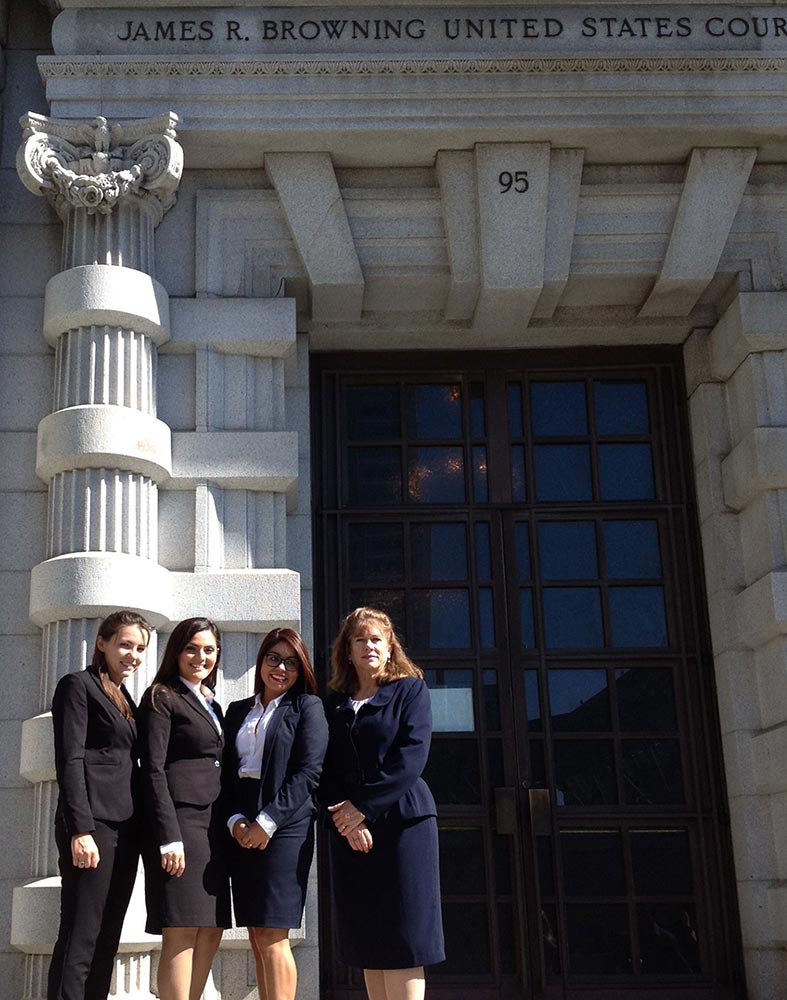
(343, 675)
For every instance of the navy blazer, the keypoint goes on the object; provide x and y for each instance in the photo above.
(95, 754)
(180, 751)
(295, 743)
(375, 757)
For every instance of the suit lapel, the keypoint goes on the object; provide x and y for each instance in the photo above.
(112, 706)
(195, 705)
(270, 733)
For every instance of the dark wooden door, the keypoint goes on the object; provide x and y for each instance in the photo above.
(528, 524)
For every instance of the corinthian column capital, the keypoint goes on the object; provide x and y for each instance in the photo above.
(97, 166)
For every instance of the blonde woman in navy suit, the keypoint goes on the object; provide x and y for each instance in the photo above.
(275, 744)
(96, 822)
(181, 744)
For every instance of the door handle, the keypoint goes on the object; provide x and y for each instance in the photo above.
(540, 810)
(505, 811)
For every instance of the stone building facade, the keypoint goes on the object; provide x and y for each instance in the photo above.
(475, 311)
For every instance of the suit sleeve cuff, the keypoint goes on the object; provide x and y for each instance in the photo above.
(233, 820)
(176, 845)
(267, 824)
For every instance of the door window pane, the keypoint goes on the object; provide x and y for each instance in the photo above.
(592, 863)
(477, 410)
(562, 472)
(434, 411)
(441, 619)
(572, 618)
(625, 472)
(451, 693)
(532, 701)
(462, 862)
(518, 489)
(637, 616)
(549, 937)
(452, 771)
(526, 618)
(466, 929)
(486, 617)
(388, 600)
(585, 773)
(558, 409)
(483, 552)
(439, 551)
(661, 862)
(515, 424)
(376, 552)
(491, 697)
(480, 470)
(652, 772)
(579, 701)
(598, 939)
(668, 939)
(436, 475)
(375, 476)
(523, 551)
(646, 699)
(621, 408)
(546, 878)
(373, 412)
(567, 550)
(632, 550)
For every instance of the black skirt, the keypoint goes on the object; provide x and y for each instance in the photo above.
(269, 887)
(201, 896)
(386, 904)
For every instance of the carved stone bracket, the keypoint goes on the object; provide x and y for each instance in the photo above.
(96, 166)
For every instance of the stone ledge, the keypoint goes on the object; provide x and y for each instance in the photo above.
(103, 437)
(753, 322)
(239, 460)
(758, 463)
(263, 328)
(37, 755)
(105, 295)
(239, 600)
(761, 610)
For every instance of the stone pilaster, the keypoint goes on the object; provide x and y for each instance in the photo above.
(102, 451)
(737, 382)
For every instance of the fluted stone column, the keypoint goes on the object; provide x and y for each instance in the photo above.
(102, 451)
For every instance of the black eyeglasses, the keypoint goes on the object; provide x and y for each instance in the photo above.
(291, 663)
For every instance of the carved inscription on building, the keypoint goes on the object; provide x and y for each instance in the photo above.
(513, 30)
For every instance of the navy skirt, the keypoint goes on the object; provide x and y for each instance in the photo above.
(386, 904)
(269, 887)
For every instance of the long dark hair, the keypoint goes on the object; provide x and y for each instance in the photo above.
(167, 674)
(343, 675)
(98, 664)
(306, 680)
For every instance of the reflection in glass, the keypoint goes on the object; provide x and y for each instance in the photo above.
(562, 472)
(652, 772)
(646, 699)
(579, 701)
(632, 550)
(668, 939)
(637, 616)
(523, 551)
(375, 552)
(480, 472)
(598, 939)
(466, 928)
(549, 937)
(661, 862)
(572, 617)
(483, 556)
(477, 410)
(593, 863)
(532, 701)
(518, 488)
(567, 550)
(436, 475)
(373, 412)
(439, 552)
(452, 771)
(434, 411)
(625, 472)
(558, 409)
(441, 619)
(375, 476)
(585, 773)
(451, 692)
(526, 618)
(491, 700)
(462, 862)
(621, 408)
(486, 617)
(515, 425)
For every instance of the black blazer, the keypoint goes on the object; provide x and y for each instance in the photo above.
(180, 751)
(375, 758)
(295, 743)
(95, 754)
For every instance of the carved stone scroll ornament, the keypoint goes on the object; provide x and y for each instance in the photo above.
(77, 165)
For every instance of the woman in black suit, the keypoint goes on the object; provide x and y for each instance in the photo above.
(275, 744)
(383, 841)
(96, 827)
(181, 745)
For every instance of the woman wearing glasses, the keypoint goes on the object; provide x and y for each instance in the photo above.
(275, 744)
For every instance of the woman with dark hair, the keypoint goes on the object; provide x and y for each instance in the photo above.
(181, 744)
(96, 821)
(383, 836)
(273, 756)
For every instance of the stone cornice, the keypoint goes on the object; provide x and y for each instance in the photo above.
(55, 67)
